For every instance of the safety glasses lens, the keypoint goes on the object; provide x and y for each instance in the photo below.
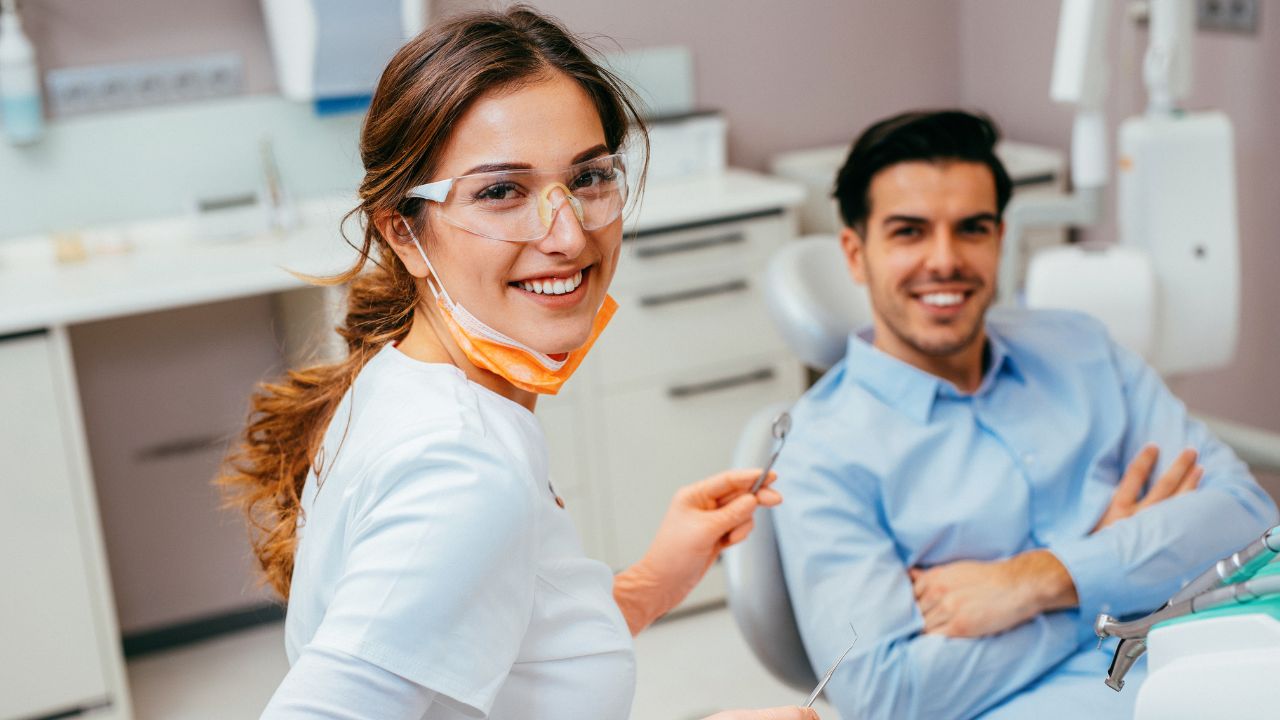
(506, 205)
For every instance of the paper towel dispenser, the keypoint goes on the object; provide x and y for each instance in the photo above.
(331, 52)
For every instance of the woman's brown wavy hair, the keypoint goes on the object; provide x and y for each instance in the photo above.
(425, 89)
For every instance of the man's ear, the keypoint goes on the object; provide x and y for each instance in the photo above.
(394, 228)
(854, 254)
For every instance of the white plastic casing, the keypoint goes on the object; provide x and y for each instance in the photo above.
(1170, 289)
(1080, 56)
(1177, 202)
(325, 49)
(1221, 667)
(1114, 284)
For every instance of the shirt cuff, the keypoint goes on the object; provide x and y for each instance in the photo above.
(1097, 575)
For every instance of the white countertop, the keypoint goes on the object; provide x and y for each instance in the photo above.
(167, 267)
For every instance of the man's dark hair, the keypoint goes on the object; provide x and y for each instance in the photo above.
(928, 136)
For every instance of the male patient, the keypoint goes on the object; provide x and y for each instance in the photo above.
(970, 488)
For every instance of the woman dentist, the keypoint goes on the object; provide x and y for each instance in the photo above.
(401, 498)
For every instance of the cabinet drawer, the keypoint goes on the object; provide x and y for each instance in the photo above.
(662, 436)
(687, 322)
(689, 252)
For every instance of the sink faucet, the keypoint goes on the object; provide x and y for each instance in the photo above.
(280, 213)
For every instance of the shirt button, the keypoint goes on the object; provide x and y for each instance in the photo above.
(1029, 458)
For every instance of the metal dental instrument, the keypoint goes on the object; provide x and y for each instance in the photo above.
(1226, 582)
(781, 426)
(831, 670)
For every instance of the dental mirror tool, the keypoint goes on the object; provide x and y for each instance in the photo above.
(781, 426)
(831, 670)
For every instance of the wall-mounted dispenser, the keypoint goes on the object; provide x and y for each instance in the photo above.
(331, 52)
(19, 80)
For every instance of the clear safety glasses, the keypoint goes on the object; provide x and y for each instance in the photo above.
(520, 205)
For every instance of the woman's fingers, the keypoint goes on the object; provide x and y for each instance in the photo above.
(722, 488)
(736, 488)
(769, 497)
(740, 533)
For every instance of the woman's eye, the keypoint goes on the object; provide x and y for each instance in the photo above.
(595, 177)
(500, 191)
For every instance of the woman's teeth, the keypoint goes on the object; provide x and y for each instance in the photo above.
(942, 299)
(553, 286)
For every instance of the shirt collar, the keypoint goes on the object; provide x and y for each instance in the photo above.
(910, 389)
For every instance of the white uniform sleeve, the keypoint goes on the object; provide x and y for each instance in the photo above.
(328, 684)
(440, 572)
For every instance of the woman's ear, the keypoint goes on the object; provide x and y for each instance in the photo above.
(394, 228)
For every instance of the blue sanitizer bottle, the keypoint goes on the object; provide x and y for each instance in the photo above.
(19, 80)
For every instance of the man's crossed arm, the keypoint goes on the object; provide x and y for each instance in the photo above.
(976, 599)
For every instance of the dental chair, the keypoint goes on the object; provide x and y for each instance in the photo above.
(814, 305)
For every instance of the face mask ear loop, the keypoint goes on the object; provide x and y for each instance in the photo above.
(433, 279)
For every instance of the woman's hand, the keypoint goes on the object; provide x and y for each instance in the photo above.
(778, 713)
(703, 519)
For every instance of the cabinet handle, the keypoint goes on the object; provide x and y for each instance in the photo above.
(733, 286)
(653, 251)
(180, 447)
(726, 383)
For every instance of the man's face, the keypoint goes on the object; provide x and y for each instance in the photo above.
(930, 256)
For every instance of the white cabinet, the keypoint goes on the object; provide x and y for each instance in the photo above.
(56, 618)
(661, 399)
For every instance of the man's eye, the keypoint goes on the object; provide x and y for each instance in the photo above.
(906, 231)
(980, 228)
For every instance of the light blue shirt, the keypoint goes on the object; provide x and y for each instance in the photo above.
(889, 467)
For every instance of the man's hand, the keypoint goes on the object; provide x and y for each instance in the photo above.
(1183, 476)
(976, 599)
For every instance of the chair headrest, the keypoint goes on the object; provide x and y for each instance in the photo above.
(813, 301)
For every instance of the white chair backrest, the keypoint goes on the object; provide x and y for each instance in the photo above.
(758, 597)
(814, 304)
(813, 300)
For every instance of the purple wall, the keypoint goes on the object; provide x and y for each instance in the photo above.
(788, 75)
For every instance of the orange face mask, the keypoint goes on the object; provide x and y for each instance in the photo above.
(510, 359)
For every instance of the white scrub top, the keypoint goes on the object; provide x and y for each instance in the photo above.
(431, 546)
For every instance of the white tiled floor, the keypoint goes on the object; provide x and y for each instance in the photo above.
(689, 667)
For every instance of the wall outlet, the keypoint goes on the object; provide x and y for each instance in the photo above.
(1240, 16)
(98, 88)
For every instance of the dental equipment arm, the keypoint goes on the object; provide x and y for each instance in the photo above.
(1080, 80)
(1205, 592)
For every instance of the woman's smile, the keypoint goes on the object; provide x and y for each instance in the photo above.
(555, 290)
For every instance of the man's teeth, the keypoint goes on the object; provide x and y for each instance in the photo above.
(942, 299)
(553, 286)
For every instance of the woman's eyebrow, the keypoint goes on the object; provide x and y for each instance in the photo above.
(497, 167)
(589, 153)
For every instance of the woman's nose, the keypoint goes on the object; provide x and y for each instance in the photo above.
(565, 235)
